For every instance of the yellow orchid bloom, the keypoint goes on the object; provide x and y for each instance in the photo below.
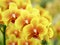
(44, 13)
(11, 14)
(20, 3)
(13, 31)
(12, 41)
(5, 4)
(35, 31)
(24, 19)
(26, 25)
(50, 34)
(32, 10)
(40, 20)
(31, 41)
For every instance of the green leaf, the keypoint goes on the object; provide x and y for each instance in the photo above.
(2, 27)
(1, 38)
(2, 30)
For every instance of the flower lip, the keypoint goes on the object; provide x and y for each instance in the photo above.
(13, 17)
(35, 31)
(26, 21)
(16, 33)
(13, 43)
(26, 43)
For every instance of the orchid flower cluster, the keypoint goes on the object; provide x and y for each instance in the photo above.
(26, 25)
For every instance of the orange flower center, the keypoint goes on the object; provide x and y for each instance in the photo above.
(13, 17)
(26, 43)
(13, 43)
(26, 21)
(16, 33)
(34, 32)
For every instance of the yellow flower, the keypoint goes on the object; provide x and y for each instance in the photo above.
(11, 30)
(31, 41)
(35, 31)
(40, 20)
(11, 14)
(12, 41)
(24, 19)
(50, 34)
(44, 13)
(32, 11)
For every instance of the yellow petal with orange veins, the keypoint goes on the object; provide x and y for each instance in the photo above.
(12, 41)
(31, 41)
(25, 42)
(10, 16)
(40, 20)
(11, 30)
(35, 31)
(23, 20)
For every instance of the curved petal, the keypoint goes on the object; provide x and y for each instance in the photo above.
(35, 31)
(23, 20)
(10, 16)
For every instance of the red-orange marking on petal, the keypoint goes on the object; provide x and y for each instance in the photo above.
(58, 29)
(0, 17)
(13, 17)
(26, 21)
(35, 31)
(16, 33)
(7, 3)
(13, 43)
(26, 43)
